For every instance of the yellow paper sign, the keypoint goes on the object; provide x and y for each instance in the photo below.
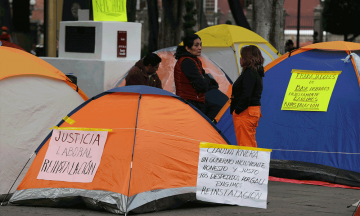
(309, 90)
(109, 10)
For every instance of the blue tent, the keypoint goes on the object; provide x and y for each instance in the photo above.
(310, 145)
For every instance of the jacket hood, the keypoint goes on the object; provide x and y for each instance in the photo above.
(181, 52)
(141, 65)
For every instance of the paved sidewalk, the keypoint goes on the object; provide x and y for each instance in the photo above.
(284, 199)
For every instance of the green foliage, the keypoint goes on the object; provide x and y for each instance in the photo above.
(189, 21)
(341, 16)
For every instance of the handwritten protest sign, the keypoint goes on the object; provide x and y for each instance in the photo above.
(109, 10)
(234, 175)
(73, 156)
(309, 90)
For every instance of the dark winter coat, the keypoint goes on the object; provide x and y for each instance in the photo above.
(139, 76)
(246, 90)
(189, 78)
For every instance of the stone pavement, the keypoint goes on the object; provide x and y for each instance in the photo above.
(284, 199)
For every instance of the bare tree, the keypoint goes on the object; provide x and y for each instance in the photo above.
(170, 30)
(268, 21)
(5, 15)
(21, 19)
(131, 10)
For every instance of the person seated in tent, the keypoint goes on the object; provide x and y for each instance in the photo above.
(189, 74)
(214, 98)
(144, 72)
(246, 95)
(5, 36)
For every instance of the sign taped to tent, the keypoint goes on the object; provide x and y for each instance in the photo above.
(73, 155)
(236, 175)
(309, 90)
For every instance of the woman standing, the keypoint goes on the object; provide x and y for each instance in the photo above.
(246, 94)
(189, 77)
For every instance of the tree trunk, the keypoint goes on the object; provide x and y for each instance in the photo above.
(5, 15)
(201, 18)
(238, 14)
(268, 21)
(21, 12)
(171, 21)
(153, 24)
(131, 10)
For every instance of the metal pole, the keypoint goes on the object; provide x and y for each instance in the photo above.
(91, 10)
(298, 26)
(50, 36)
(201, 13)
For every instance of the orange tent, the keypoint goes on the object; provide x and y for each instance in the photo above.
(357, 211)
(151, 155)
(19, 62)
(166, 71)
(33, 96)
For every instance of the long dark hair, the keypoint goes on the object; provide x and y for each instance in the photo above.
(252, 59)
(187, 42)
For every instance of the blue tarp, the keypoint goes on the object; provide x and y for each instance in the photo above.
(327, 138)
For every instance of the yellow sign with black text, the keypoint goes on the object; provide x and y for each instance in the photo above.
(109, 10)
(309, 90)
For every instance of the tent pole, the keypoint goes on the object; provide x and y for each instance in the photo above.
(132, 156)
(3, 202)
(236, 58)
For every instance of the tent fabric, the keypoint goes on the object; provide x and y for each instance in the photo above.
(154, 145)
(357, 210)
(331, 131)
(30, 65)
(166, 71)
(330, 46)
(310, 145)
(29, 105)
(225, 35)
(32, 99)
(139, 89)
(334, 46)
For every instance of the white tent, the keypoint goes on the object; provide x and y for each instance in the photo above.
(34, 96)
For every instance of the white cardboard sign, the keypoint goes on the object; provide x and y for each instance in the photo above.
(235, 175)
(73, 156)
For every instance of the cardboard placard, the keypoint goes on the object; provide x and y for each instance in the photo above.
(73, 156)
(234, 175)
(109, 10)
(309, 90)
